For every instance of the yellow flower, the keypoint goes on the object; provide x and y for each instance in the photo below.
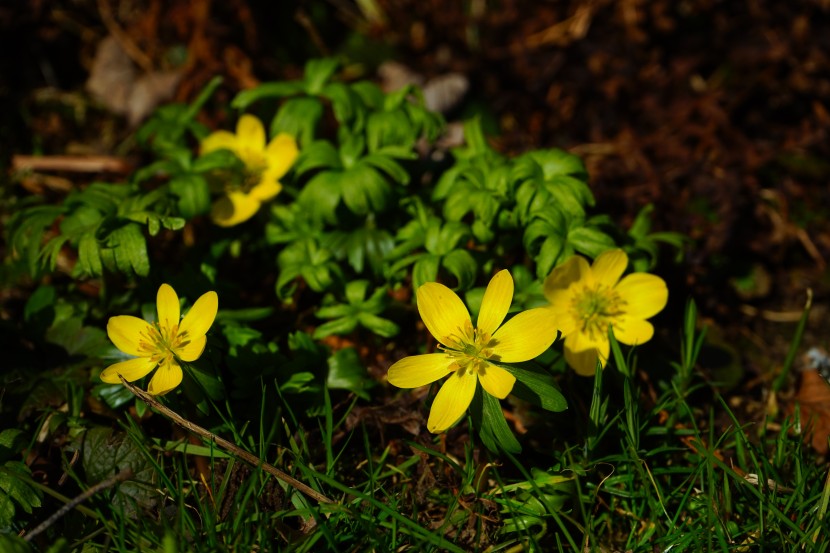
(162, 344)
(588, 299)
(265, 165)
(470, 353)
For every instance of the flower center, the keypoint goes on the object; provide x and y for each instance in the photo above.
(596, 309)
(471, 349)
(161, 342)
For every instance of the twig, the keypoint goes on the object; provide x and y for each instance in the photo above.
(132, 50)
(73, 164)
(225, 444)
(301, 17)
(108, 483)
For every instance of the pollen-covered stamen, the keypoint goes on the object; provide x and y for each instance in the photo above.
(162, 342)
(596, 309)
(471, 349)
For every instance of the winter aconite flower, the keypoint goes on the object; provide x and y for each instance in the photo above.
(588, 299)
(471, 354)
(163, 344)
(265, 164)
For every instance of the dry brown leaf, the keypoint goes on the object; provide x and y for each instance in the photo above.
(116, 82)
(813, 398)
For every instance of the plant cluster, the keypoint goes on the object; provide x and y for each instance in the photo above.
(304, 246)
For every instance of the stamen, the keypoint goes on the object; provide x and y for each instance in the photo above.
(597, 309)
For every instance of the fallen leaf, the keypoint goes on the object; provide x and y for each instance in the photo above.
(813, 399)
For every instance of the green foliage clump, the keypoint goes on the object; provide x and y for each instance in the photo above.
(316, 300)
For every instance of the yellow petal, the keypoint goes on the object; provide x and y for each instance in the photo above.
(167, 377)
(645, 295)
(561, 300)
(574, 270)
(451, 401)
(233, 209)
(496, 381)
(250, 133)
(219, 140)
(609, 266)
(192, 350)
(126, 332)
(200, 317)
(131, 370)
(566, 322)
(496, 302)
(583, 363)
(267, 188)
(419, 370)
(167, 303)
(525, 336)
(581, 352)
(632, 331)
(443, 312)
(281, 153)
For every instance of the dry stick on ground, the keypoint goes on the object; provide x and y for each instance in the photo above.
(225, 444)
(108, 483)
(72, 164)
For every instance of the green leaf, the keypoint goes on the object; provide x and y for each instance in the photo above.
(89, 256)
(555, 162)
(319, 154)
(12, 440)
(317, 73)
(425, 270)
(76, 339)
(17, 489)
(322, 194)
(217, 160)
(266, 90)
(192, 193)
(356, 291)
(352, 146)
(365, 190)
(298, 383)
(462, 266)
(40, 307)
(52, 250)
(391, 128)
(537, 387)
(363, 244)
(346, 372)
(10, 543)
(553, 251)
(106, 453)
(126, 250)
(83, 218)
(299, 118)
(307, 259)
(343, 325)
(388, 166)
(208, 381)
(642, 223)
(26, 230)
(444, 239)
(335, 311)
(590, 241)
(345, 104)
(378, 325)
(492, 426)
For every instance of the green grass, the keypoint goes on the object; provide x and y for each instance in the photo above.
(655, 466)
(680, 472)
